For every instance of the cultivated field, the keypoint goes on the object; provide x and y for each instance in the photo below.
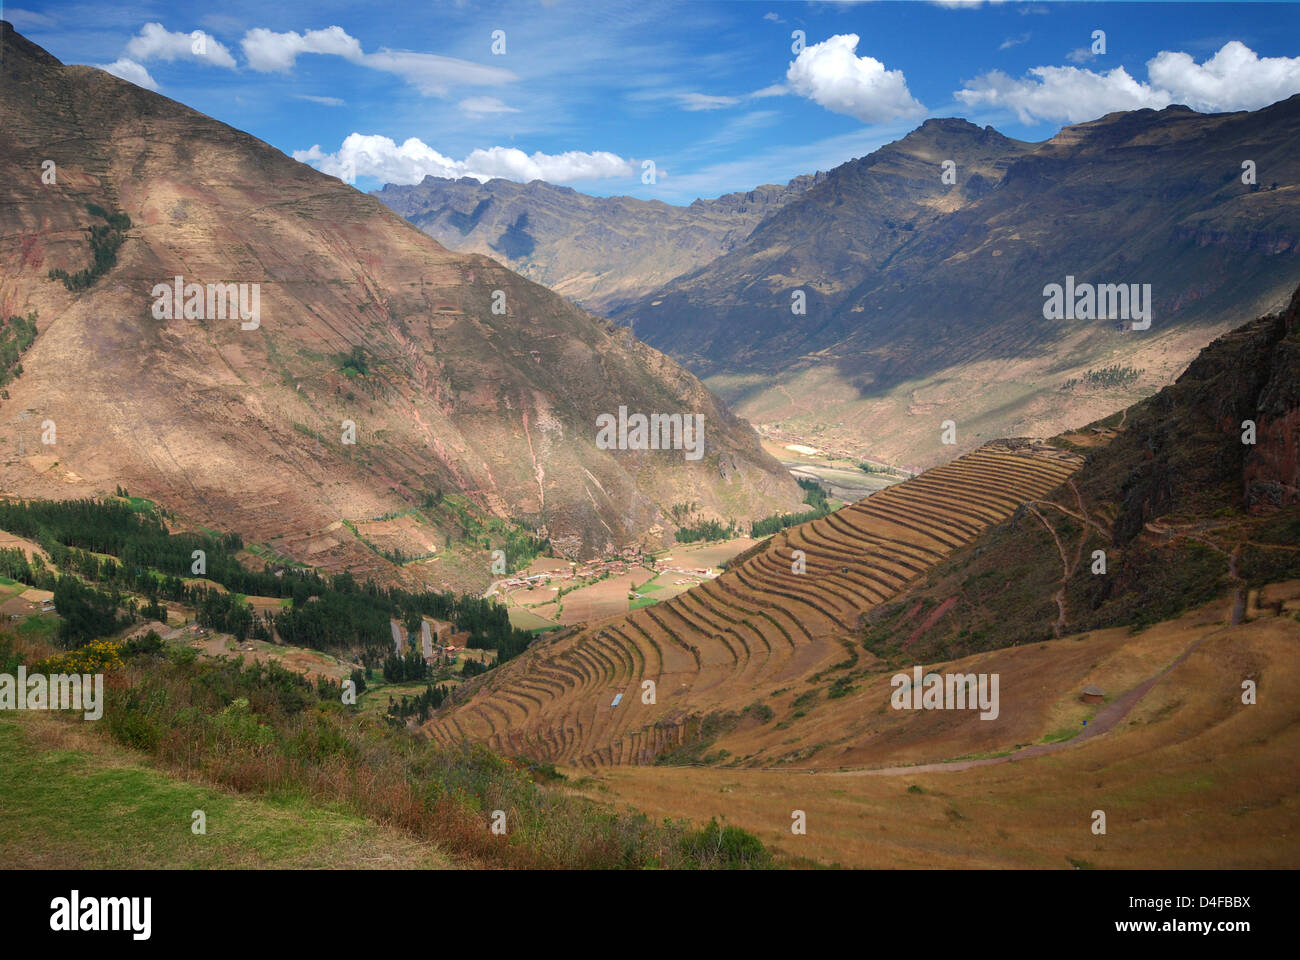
(760, 628)
(1187, 775)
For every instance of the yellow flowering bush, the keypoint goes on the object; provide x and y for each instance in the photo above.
(98, 656)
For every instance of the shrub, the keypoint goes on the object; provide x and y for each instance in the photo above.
(725, 846)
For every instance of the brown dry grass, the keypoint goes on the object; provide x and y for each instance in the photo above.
(1190, 778)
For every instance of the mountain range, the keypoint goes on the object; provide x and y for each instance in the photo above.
(907, 287)
(379, 379)
(989, 559)
(600, 252)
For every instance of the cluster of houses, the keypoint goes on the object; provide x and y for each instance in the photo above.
(592, 569)
(28, 602)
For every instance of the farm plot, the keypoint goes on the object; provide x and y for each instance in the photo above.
(773, 620)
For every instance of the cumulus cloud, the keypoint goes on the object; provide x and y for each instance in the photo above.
(1235, 78)
(1062, 93)
(156, 42)
(131, 71)
(431, 74)
(380, 157)
(831, 74)
(268, 51)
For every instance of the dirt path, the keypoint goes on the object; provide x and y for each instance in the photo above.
(1107, 717)
(1058, 628)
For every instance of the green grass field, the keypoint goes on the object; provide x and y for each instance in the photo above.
(100, 806)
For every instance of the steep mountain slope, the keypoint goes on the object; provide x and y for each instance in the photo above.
(368, 330)
(991, 551)
(600, 252)
(925, 301)
(1181, 507)
(832, 243)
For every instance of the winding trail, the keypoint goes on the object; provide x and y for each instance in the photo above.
(1107, 717)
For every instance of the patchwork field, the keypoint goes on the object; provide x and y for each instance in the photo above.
(567, 598)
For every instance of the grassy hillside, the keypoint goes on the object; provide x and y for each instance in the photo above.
(1189, 777)
(180, 732)
(71, 799)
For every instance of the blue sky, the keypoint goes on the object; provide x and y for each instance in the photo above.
(714, 94)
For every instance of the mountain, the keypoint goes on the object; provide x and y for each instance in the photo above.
(377, 379)
(600, 252)
(925, 301)
(960, 565)
(1173, 496)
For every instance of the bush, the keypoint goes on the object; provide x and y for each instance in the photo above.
(150, 643)
(129, 724)
(726, 847)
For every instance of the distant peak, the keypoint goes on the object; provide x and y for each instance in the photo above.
(948, 127)
(949, 123)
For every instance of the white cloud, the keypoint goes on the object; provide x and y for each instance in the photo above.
(267, 51)
(704, 101)
(832, 75)
(1081, 55)
(363, 155)
(1233, 79)
(1016, 41)
(434, 75)
(131, 71)
(328, 101)
(483, 106)
(431, 74)
(156, 42)
(1062, 93)
(775, 90)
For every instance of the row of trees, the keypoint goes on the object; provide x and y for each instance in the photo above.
(124, 549)
(419, 706)
(16, 335)
(814, 495)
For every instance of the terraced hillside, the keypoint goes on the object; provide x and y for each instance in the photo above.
(786, 612)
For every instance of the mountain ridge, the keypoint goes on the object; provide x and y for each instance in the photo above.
(598, 251)
(249, 429)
